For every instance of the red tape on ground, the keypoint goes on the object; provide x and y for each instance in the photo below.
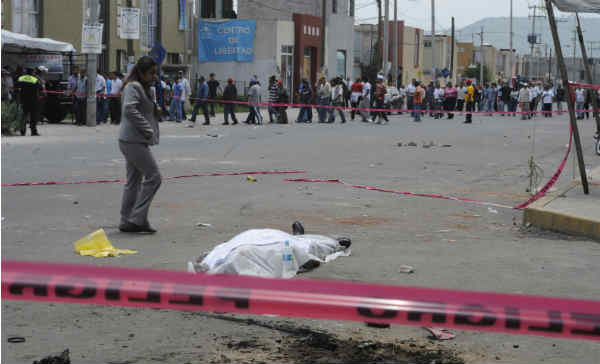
(333, 300)
(52, 183)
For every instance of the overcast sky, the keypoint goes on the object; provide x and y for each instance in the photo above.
(417, 13)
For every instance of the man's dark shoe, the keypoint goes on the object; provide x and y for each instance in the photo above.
(205, 123)
(23, 132)
(226, 124)
(35, 133)
(128, 227)
(234, 123)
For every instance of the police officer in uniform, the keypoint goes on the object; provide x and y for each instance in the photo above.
(30, 87)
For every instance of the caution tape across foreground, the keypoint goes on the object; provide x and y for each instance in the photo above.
(333, 300)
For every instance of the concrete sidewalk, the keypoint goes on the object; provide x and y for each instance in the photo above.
(569, 210)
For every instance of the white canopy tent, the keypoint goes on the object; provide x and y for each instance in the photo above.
(581, 6)
(16, 41)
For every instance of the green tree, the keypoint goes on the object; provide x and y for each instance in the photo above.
(473, 72)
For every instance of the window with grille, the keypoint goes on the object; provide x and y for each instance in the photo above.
(26, 17)
(350, 7)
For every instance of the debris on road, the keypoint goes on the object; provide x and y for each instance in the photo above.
(97, 245)
(406, 269)
(16, 339)
(466, 216)
(493, 211)
(446, 145)
(251, 179)
(203, 225)
(259, 252)
(440, 334)
(412, 144)
(63, 358)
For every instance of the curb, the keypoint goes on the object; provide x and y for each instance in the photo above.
(537, 215)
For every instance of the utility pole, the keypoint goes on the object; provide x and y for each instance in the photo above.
(533, 38)
(323, 32)
(386, 38)
(379, 31)
(130, 52)
(550, 66)
(565, 79)
(395, 48)
(433, 68)
(452, 52)
(92, 16)
(511, 42)
(588, 74)
(482, 60)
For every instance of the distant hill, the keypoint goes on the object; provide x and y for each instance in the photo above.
(496, 33)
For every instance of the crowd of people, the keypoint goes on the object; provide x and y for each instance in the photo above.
(371, 101)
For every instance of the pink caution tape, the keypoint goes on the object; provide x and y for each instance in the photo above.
(333, 300)
(52, 183)
(552, 180)
(378, 189)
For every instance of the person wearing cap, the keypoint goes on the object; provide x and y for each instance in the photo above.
(229, 94)
(30, 88)
(470, 102)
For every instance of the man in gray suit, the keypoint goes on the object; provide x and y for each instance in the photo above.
(139, 130)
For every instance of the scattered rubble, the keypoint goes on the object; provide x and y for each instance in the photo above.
(63, 358)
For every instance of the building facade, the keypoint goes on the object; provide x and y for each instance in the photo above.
(292, 33)
(464, 58)
(444, 59)
(489, 58)
(410, 49)
(161, 22)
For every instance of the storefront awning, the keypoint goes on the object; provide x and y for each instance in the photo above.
(16, 41)
(581, 6)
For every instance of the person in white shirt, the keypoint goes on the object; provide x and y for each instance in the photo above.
(438, 95)
(115, 99)
(524, 99)
(402, 95)
(365, 103)
(460, 101)
(100, 88)
(579, 101)
(187, 93)
(547, 98)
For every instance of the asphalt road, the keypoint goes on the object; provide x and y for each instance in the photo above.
(450, 244)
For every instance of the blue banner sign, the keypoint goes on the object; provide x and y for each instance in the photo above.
(229, 41)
